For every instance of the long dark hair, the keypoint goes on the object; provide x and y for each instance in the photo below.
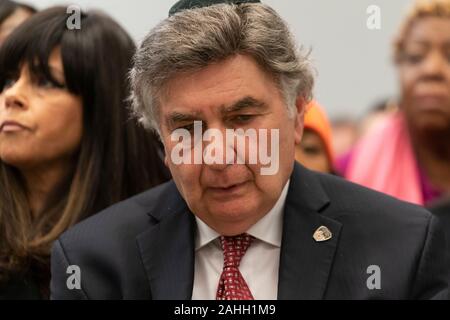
(117, 158)
(8, 7)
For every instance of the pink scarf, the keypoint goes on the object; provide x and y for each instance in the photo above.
(384, 160)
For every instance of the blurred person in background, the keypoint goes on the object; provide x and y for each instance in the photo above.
(315, 149)
(12, 14)
(68, 148)
(345, 134)
(409, 156)
(376, 116)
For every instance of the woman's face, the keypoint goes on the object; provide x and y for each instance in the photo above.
(425, 75)
(40, 123)
(312, 153)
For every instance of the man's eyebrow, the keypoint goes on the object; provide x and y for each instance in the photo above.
(247, 102)
(178, 117)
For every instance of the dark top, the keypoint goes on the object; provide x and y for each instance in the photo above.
(20, 288)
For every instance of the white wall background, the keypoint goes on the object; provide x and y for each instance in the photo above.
(353, 63)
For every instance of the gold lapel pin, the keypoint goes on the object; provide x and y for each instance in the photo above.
(322, 234)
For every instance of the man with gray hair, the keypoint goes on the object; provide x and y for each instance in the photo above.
(222, 82)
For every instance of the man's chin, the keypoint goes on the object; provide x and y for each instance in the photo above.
(233, 211)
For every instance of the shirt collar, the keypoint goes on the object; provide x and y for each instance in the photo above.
(268, 229)
(205, 234)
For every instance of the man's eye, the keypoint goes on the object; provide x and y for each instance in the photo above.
(188, 127)
(243, 118)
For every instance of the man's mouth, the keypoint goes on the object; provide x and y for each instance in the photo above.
(230, 188)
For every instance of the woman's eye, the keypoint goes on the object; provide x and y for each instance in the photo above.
(8, 83)
(47, 84)
(448, 57)
(413, 58)
(312, 150)
(44, 83)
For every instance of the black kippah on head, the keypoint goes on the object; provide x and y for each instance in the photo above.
(191, 4)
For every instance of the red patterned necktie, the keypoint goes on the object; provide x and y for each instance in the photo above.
(232, 285)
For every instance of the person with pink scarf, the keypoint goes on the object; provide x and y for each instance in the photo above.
(408, 155)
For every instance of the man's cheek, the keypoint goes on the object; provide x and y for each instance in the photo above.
(182, 180)
(186, 174)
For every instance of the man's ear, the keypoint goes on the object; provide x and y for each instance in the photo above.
(158, 134)
(166, 153)
(166, 160)
(300, 105)
(166, 156)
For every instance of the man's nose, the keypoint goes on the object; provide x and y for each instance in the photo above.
(218, 155)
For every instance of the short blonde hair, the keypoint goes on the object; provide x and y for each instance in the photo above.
(420, 9)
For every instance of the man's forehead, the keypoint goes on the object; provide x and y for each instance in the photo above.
(238, 75)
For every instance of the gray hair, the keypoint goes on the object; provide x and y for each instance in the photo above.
(193, 39)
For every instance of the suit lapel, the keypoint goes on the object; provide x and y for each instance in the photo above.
(167, 250)
(167, 247)
(304, 263)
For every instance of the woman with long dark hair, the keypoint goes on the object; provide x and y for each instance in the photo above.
(68, 147)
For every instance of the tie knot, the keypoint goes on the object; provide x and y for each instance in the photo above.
(234, 249)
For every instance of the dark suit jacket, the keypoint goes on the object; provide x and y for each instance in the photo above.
(442, 211)
(143, 248)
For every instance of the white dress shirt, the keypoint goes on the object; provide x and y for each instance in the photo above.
(259, 266)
